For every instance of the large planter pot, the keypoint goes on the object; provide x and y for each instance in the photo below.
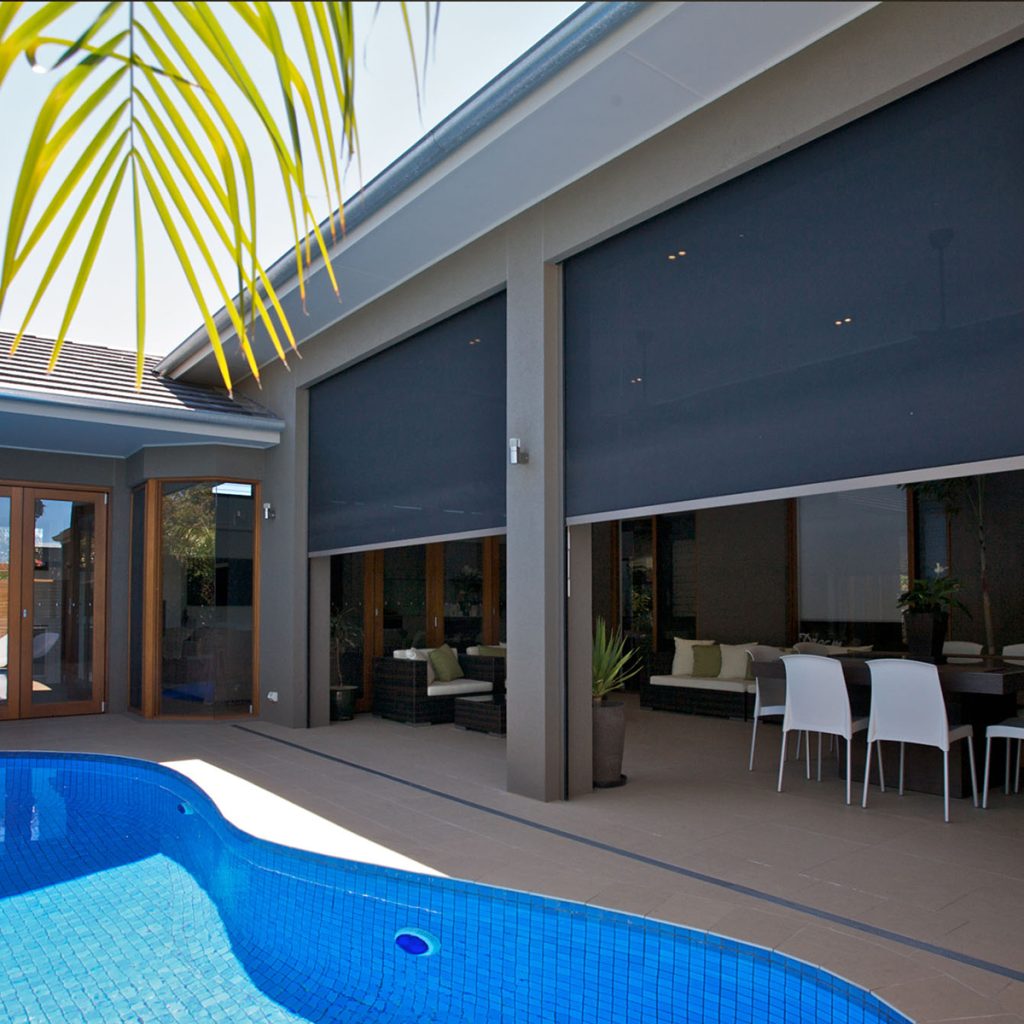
(609, 740)
(926, 633)
(343, 703)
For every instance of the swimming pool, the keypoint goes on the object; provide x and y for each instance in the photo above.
(125, 896)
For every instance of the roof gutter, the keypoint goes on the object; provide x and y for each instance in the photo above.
(545, 59)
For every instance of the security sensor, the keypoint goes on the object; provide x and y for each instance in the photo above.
(516, 454)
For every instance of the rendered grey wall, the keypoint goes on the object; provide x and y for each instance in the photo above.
(742, 563)
(880, 56)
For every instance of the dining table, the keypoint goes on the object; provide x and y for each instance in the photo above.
(978, 691)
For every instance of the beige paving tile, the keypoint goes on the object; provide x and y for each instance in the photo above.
(933, 999)
(873, 963)
(690, 803)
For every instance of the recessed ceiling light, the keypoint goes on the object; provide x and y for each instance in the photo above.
(682, 252)
(474, 341)
(636, 380)
(848, 320)
(671, 255)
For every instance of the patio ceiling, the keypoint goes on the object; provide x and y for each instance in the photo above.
(610, 77)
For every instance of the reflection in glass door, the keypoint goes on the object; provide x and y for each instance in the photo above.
(8, 707)
(63, 611)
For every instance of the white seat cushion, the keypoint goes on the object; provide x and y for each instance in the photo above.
(459, 687)
(700, 683)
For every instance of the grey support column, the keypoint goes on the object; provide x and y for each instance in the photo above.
(536, 533)
(580, 657)
(284, 625)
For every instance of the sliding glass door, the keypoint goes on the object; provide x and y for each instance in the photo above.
(52, 601)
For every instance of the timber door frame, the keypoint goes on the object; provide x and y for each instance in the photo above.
(21, 589)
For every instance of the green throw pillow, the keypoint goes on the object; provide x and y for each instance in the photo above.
(491, 652)
(707, 660)
(446, 664)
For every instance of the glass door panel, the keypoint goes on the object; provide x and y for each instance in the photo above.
(463, 593)
(348, 614)
(207, 535)
(8, 705)
(63, 616)
(405, 598)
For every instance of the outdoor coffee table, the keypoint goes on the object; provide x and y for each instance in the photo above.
(481, 713)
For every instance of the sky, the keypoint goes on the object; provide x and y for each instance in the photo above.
(474, 42)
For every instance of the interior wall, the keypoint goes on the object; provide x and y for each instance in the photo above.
(742, 573)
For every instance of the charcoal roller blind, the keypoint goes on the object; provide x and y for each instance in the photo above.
(855, 307)
(410, 443)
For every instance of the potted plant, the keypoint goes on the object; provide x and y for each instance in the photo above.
(612, 666)
(926, 604)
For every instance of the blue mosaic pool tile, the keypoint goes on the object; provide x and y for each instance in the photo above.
(139, 911)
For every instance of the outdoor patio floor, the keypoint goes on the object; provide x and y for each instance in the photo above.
(889, 897)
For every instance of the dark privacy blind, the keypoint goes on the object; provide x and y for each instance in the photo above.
(851, 308)
(411, 442)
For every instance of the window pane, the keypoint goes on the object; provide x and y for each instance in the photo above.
(63, 582)
(5, 590)
(138, 557)
(636, 579)
(207, 591)
(853, 555)
(677, 578)
(463, 593)
(405, 597)
(347, 621)
(502, 574)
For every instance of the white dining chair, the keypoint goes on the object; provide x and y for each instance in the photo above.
(1010, 730)
(817, 701)
(907, 707)
(769, 694)
(966, 652)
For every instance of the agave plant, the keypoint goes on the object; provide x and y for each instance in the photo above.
(145, 104)
(612, 663)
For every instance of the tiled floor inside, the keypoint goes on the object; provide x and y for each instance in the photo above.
(927, 915)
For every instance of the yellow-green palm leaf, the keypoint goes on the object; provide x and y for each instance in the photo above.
(160, 97)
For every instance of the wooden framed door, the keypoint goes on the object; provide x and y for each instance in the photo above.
(10, 590)
(53, 600)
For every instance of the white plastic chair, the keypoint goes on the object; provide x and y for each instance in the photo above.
(907, 707)
(1010, 730)
(962, 648)
(769, 694)
(817, 701)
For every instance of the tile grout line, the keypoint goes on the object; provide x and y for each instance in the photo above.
(721, 883)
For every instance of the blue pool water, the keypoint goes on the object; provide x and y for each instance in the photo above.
(126, 897)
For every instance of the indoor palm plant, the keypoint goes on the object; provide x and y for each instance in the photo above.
(926, 604)
(612, 665)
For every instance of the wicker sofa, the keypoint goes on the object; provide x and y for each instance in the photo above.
(404, 689)
(728, 696)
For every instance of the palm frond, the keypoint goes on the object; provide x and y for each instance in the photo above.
(152, 104)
